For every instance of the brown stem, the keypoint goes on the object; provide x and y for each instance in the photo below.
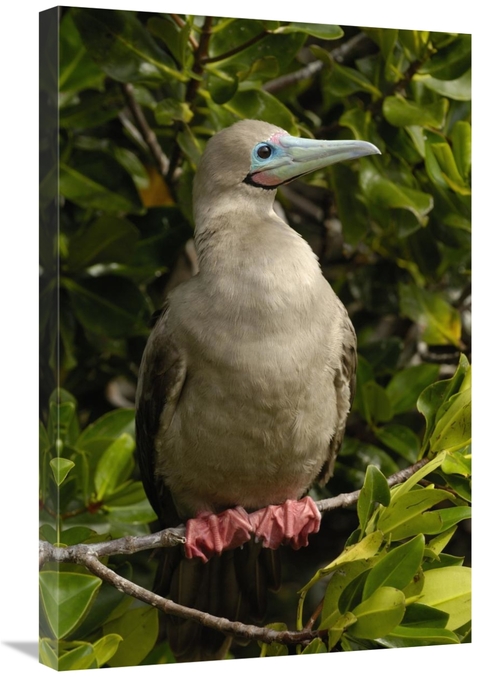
(192, 90)
(233, 628)
(181, 23)
(235, 50)
(147, 133)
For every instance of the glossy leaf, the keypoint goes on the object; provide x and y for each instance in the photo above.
(379, 614)
(433, 522)
(66, 598)
(109, 305)
(336, 631)
(409, 505)
(375, 404)
(316, 646)
(439, 321)
(397, 568)
(122, 47)
(400, 439)
(452, 61)
(258, 104)
(461, 141)
(107, 239)
(382, 192)
(404, 636)
(106, 647)
(112, 466)
(453, 428)
(449, 590)
(76, 68)
(97, 180)
(322, 31)
(339, 581)
(405, 386)
(375, 490)
(401, 112)
(80, 658)
(421, 615)
(458, 89)
(139, 629)
(60, 469)
(434, 397)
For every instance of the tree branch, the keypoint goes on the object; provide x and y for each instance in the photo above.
(146, 132)
(172, 537)
(233, 628)
(88, 555)
(340, 54)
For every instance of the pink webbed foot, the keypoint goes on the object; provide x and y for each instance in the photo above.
(289, 523)
(208, 534)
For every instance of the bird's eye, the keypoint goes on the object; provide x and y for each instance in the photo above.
(264, 151)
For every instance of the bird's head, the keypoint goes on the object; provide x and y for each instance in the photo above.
(251, 159)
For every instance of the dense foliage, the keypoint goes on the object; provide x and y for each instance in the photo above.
(139, 95)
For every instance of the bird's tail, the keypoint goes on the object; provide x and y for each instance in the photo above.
(233, 585)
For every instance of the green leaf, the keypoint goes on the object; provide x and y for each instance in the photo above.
(382, 192)
(322, 31)
(400, 439)
(352, 212)
(406, 506)
(397, 568)
(175, 38)
(123, 48)
(339, 581)
(66, 598)
(374, 403)
(352, 594)
(139, 630)
(109, 305)
(77, 71)
(75, 535)
(423, 616)
(112, 466)
(108, 238)
(379, 614)
(453, 427)
(136, 513)
(403, 636)
(46, 654)
(344, 81)
(401, 112)
(449, 590)
(439, 321)
(459, 89)
(96, 180)
(405, 386)
(106, 647)
(375, 490)
(170, 110)
(450, 62)
(446, 161)
(222, 86)
(433, 522)
(81, 658)
(457, 463)
(437, 544)
(434, 397)
(336, 631)
(260, 105)
(60, 469)
(461, 141)
(316, 646)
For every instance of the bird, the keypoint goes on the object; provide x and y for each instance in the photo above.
(245, 384)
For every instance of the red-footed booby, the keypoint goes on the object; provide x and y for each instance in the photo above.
(245, 383)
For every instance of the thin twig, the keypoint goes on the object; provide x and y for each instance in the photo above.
(235, 50)
(339, 54)
(233, 628)
(181, 23)
(192, 89)
(88, 555)
(147, 133)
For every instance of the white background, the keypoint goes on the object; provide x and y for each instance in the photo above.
(19, 329)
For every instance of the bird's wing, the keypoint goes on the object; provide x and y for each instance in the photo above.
(345, 386)
(161, 377)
